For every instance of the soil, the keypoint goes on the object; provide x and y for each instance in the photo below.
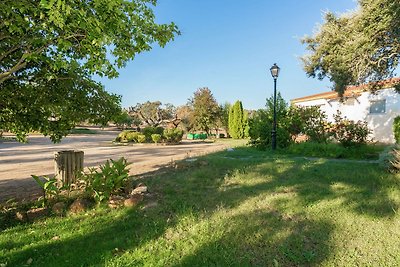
(19, 161)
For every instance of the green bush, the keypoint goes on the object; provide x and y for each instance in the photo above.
(107, 179)
(310, 121)
(132, 136)
(173, 135)
(156, 138)
(396, 129)
(126, 136)
(141, 138)
(261, 128)
(148, 131)
(350, 133)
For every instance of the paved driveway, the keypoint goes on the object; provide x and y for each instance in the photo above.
(18, 161)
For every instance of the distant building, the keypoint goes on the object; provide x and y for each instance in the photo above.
(377, 108)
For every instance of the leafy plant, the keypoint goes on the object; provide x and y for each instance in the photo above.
(107, 179)
(49, 186)
(260, 125)
(141, 138)
(350, 133)
(148, 131)
(127, 136)
(389, 159)
(132, 136)
(156, 138)
(310, 121)
(173, 135)
(396, 129)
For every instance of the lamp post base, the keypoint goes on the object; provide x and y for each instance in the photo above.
(273, 134)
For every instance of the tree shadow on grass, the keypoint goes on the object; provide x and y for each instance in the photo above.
(266, 238)
(203, 186)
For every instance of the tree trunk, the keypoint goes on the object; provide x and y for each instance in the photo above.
(67, 164)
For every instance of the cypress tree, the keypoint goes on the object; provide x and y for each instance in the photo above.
(237, 122)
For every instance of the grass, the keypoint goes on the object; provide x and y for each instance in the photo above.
(82, 131)
(333, 150)
(239, 208)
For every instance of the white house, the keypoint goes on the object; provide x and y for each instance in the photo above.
(377, 109)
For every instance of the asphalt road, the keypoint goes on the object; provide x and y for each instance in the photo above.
(18, 161)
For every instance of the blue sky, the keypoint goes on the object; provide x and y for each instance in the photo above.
(227, 46)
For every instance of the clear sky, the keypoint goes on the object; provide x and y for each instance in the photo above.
(227, 46)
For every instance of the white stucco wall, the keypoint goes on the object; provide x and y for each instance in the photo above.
(358, 109)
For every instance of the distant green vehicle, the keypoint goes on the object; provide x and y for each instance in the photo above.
(192, 136)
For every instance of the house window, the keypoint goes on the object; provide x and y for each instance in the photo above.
(377, 107)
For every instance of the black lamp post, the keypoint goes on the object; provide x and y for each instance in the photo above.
(275, 73)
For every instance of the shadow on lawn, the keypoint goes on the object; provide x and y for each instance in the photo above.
(257, 237)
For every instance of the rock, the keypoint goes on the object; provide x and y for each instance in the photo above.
(55, 237)
(29, 261)
(139, 190)
(38, 213)
(115, 201)
(58, 208)
(230, 149)
(203, 163)
(21, 216)
(79, 205)
(150, 205)
(140, 184)
(133, 200)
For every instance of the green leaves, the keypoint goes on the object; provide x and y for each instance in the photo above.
(49, 50)
(107, 179)
(359, 47)
(205, 109)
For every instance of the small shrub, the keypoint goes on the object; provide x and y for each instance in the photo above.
(350, 133)
(389, 159)
(148, 131)
(132, 136)
(50, 187)
(123, 136)
(156, 138)
(396, 129)
(109, 178)
(141, 138)
(261, 128)
(173, 135)
(310, 121)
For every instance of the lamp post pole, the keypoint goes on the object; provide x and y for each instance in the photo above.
(275, 73)
(274, 123)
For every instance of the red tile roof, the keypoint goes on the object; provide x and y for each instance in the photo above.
(353, 90)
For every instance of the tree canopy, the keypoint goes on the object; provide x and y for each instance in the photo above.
(358, 47)
(153, 113)
(206, 110)
(50, 49)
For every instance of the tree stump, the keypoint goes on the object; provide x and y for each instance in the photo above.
(67, 164)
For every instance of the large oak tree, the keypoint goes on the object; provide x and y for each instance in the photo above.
(358, 47)
(50, 49)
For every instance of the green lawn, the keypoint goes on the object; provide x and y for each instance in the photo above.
(241, 208)
(82, 131)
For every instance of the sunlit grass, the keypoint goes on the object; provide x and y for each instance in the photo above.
(239, 208)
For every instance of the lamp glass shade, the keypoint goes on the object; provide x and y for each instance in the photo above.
(275, 71)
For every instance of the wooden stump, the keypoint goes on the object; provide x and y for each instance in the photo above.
(67, 164)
